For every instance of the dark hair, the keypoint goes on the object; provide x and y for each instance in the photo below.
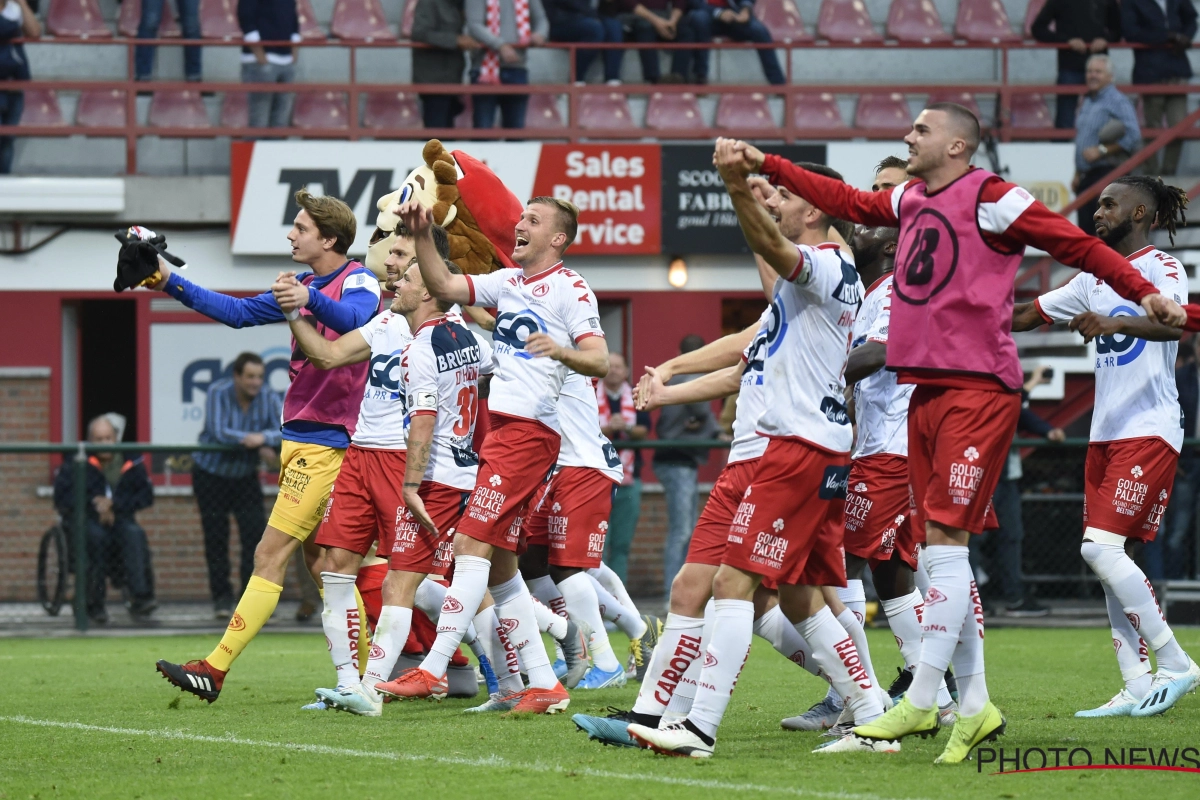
(567, 213)
(891, 162)
(333, 218)
(966, 120)
(239, 363)
(693, 341)
(455, 269)
(1166, 203)
(845, 229)
(441, 240)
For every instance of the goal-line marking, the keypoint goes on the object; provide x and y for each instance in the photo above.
(490, 762)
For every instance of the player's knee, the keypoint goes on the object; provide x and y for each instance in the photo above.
(688, 596)
(343, 562)
(1105, 553)
(733, 584)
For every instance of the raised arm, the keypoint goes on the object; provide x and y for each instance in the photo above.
(236, 312)
(831, 196)
(438, 279)
(758, 226)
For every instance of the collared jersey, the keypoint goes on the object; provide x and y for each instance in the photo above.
(880, 401)
(381, 415)
(583, 445)
(751, 399)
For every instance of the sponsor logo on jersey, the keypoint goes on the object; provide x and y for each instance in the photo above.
(383, 374)
(835, 411)
(1118, 349)
(833, 483)
(513, 328)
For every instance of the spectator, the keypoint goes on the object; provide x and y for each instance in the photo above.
(620, 422)
(1167, 556)
(1086, 26)
(659, 21)
(577, 21)
(676, 469)
(440, 23)
(1168, 26)
(1096, 152)
(117, 549)
(732, 19)
(239, 410)
(17, 21)
(506, 28)
(269, 21)
(189, 20)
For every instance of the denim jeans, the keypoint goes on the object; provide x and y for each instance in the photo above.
(189, 21)
(12, 104)
(119, 553)
(679, 487)
(579, 28)
(706, 26)
(269, 109)
(622, 525)
(642, 31)
(1064, 113)
(217, 498)
(439, 110)
(512, 106)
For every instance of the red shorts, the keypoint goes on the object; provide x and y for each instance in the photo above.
(826, 565)
(958, 443)
(785, 510)
(414, 547)
(877, 510)
(1127, 484)
(365, 501)
(571, 518)
(712, 529)
(517, 457)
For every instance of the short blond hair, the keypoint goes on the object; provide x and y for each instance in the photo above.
(333, 218)
(567, 214)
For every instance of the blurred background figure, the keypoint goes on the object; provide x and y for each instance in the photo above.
(189, 21)
(1167, 27)
(1173, 551)
(440, 23)
(1086, 27)
(269, 21)
(619, 421)
(18, 20)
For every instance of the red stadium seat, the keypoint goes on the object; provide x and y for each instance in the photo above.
(391, 110)
(744, 111)
(782, 18)
(846, 21)
(80, 18)
(916, 21)
(218, 19)
(883, 111)
(310, 31)
(962, 98)
(101, 108)
(816, 111)
(321, 111)
(984, 21)
(131, 17)
(41, 109)
(604, 111)
(178, 109)
(543, 112)
(360, 20)
(406, 19)
(673, 111)
(1031, 12)
(1030, 111)
(235, 110)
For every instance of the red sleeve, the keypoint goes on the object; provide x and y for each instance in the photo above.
(831, 196)
(1193, 317)
(470, 290)
(1037, 304)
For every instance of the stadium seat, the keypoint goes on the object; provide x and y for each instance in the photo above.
(1031, 12)
(916, 21)
(218, 19)
(360, 20)
(391, 110)
(816, 111)
(744, 111)
(984, 21)
(321, 111)
(178, 109)
(846, 21)
(673, 111)
(235, 110)
(782, 18)
(406, 19)
(81, 18)
(101, 108)
(606, 111)
(883, 111)
(41, 109)
(1030, 111)
(310, 31)
(962, 98)
(543, 112)
(131, 17)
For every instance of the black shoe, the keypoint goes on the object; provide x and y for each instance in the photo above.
(197, 677)
(143, 607)
(900, 685)
(1026, 608)
(305, 612)
(98, 616)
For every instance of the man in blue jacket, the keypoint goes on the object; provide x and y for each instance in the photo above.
(1168, 26)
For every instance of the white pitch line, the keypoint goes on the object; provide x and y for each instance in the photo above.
(490, 762)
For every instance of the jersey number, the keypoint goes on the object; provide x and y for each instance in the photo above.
(468, 410)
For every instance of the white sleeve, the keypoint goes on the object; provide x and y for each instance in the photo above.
(997, 217)
(820, 272)
(485, 289)
(487, 360)
(878, 332)
(422, 388)
(580, 311)
(1167, 278)
(1066, 301)
(370, 330)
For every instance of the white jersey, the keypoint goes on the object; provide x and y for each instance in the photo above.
(1135, 379)
(751, 399)
(583, 445)
(880, 401)
(808, 339)
(384, 405)
(440, 370)
(557, 302)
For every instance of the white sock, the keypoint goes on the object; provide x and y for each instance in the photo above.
(514, 605)
(627, 619)
(459, 607)
(580, 595)
(1130, 585)
(429, 598)
(921, 576)
(733, 624)
(502, 654)
(834, 650)
(848, 619)
(678, 647)
(390, 635)
(340, 621)
(946, 604)
(1133, 655)
(613, 583)
(968, 659)
(548, 621)
(685, 692)
(783, 636)
(548, 594)
(906, 628)
(854, 597)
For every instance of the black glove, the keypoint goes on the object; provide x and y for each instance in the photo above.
(137, 263)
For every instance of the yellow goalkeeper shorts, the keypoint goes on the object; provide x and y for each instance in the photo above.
(306, 475)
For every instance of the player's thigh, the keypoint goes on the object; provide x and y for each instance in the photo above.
(306, 476)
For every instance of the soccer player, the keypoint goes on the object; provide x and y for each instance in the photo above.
(1135, 436)
(548, 324)
(319, 413)
(963, 232)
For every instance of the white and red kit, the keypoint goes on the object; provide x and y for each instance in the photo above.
(799, 486)
(1137, 427)
(522, 445)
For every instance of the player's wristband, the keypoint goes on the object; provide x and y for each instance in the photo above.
(292, 316)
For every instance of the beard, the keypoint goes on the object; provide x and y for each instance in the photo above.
(1117, 233)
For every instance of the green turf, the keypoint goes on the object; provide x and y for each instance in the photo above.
(261, 745)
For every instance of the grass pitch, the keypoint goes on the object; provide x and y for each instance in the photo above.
(90, 718)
